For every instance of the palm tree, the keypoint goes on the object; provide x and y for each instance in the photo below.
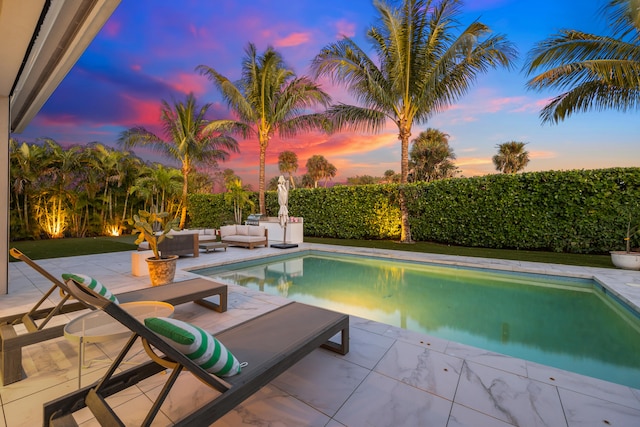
(593, 72)
(191, 139)
(431, 156)
(511, 157)
(422, 67)
(270, 99)
(319, 168)
(288, 163)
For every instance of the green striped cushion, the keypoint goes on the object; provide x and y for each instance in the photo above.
(92, 284)
(197, 344)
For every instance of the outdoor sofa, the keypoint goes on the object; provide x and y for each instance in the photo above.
(247, 236)
(183, 242)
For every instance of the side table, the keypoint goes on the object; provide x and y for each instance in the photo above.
(207, 246)
(97, 326)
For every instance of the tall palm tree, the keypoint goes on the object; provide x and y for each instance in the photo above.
(288, 163)
(189, 139)
(511, 157)
(431, 156)
(593, 72)
(270, 99)
(422, 67)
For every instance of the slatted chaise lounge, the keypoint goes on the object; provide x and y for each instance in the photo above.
(270, 344)
(35, 320)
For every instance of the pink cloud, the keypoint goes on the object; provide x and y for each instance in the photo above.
(189, 82)
(142, 113)
(541, 154)
(495, 105)
(345, 28)
(293, 39)
(112, 28)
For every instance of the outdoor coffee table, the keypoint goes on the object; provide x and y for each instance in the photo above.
(97, 326)
(207, 246)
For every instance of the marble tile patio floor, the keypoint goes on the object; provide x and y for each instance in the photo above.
(391, 377)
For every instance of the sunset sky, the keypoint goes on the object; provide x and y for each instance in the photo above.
(149, 49)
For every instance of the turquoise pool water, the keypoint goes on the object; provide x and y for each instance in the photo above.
(567, 323)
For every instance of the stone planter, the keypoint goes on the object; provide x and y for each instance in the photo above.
(163, 270)
(626, 260)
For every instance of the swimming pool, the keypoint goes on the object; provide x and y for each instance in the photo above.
(567, 323)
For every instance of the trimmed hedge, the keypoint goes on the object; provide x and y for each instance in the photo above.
(579, 211)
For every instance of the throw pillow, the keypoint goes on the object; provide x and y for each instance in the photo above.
(242, 230)
(197, 344)
(227, 230)
(92, 284)
(256, 230)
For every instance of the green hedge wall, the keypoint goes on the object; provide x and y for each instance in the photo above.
(358, 212)
(580, 211)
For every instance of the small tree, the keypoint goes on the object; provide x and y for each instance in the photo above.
(511, 157)
(288, 163)
(431, 157)
(319, 168)
(238, 196)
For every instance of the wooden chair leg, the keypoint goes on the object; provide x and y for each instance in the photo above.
(10, 356)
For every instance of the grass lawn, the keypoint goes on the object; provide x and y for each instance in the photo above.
(436, 248)
(55, 248)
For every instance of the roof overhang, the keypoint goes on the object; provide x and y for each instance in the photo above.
(43, 39)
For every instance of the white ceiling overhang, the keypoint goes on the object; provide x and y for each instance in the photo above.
(40, 41)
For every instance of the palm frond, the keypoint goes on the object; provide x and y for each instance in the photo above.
(590, 96)
(357, 119)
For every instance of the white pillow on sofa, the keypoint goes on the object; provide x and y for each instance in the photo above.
(242, 230)
(256, 230)
(227, 230)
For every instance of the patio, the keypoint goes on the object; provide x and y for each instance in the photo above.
(391, 377)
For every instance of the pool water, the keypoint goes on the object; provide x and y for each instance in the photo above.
(568, 323)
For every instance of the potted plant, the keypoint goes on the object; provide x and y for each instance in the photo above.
(162, 269)
(627, 259)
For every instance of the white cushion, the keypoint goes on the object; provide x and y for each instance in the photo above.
(256, 230)
(242, 230)
(197, 344)
(227, 230)
(243, 239)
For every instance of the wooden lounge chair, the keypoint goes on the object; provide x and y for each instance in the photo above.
(36, 319)
(270, 344)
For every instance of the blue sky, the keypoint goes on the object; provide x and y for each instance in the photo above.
(148, 51)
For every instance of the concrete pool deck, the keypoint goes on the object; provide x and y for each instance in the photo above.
(391, 377)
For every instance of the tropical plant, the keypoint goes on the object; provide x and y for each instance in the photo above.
(238, 196)
(144, 225)
(26, 165)
(511, 157)
(431, 157)
(288, 163)
(269, 99)
(191, 139)
(422, 67)
(593, 72)
(158, 185)
(319, 168)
